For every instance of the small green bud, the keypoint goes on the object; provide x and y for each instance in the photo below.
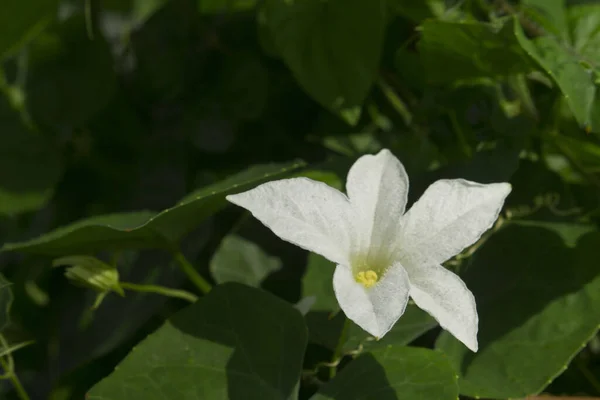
(92, 273)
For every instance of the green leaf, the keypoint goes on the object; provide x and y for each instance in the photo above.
(395, 373)
(239, 260)
(20, 21)
(538, 303)
(419, 10)
(147, 229)
(586, 152)
(327, 177)
(237, 342)
(332, 47)
(584, 23)
(571, 72)
(29, 165)
(224, 6)
(550, 14)
(88, 235)
(470, 50)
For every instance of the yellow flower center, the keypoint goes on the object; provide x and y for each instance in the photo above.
(367, 278)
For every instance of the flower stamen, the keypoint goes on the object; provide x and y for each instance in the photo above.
(367, 278)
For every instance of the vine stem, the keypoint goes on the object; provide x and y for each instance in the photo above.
(9, 372)
(191, 272)
(181, 294)
(337, 354)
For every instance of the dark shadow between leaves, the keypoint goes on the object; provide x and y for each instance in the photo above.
(364, 378)
(325, 329)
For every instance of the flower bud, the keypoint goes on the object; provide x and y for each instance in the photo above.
(90, 272)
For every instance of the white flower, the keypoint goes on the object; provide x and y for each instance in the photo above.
(383, 255)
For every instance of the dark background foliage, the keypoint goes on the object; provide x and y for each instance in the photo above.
(127, 106)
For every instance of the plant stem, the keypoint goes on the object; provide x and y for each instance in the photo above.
(181, 294)
(191, 272)
(337, 354)
(396, 102)
(14, 379)
(89, 17)
(588, 374)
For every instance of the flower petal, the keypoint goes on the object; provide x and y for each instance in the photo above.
(377, 186)
(375, 309)
(451, 215)
(446, 297)
(304, 212)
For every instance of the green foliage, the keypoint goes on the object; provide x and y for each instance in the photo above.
(246, 343)
(146, 229)
(387, 374)
(554, 310)
(21, 21)
(239, 260)
(125, 124)
(333, 48)
(471, 50)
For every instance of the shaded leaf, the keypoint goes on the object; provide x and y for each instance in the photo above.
(29, 165)
(20, 21)
(239, 260)
(413, 323)
(332, 48)
(236, 343)
(569, 70)
(538, 304)
(147, 229)
(550, 14)
(224, 6)
(419, 10)
(395, 373)
(470, 50)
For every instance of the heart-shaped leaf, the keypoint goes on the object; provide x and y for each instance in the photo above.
(236, 343)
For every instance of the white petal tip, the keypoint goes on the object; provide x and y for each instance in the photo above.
(472, 345)
(506, 186)
(230, 197)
